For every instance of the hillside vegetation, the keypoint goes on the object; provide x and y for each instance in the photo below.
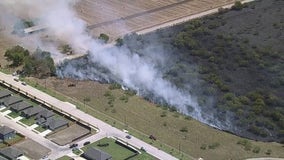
(237, 58)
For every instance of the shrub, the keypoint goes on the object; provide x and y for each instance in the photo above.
(124, 98)
(107, 94)
(214, 145)
(238, 6)
(203, 146)
(257, 131)
(114, 86)
(247, 145)
(164, 114)
(16, 54)
(256, 149)
(103, 145)
(119, 42)
(104, 37)
(268, 152)
(184, 129)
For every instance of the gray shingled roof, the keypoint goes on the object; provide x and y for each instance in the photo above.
(5, 93)
(5, 130)
(32, 111)
(11, 153)
(54, 124)
(96, 154)
(45, 114)
(7, 101)
(3, 158)
(20, 106)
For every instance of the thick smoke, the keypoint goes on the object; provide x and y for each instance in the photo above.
(130, 69)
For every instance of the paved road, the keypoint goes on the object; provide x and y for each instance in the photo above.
(105, 129)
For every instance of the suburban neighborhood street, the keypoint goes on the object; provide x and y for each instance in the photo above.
(104, 128)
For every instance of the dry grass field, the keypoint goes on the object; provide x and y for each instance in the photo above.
(69, 134)
(117, 18)
(143, 118)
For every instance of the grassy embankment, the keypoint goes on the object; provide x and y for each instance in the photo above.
(175, 133)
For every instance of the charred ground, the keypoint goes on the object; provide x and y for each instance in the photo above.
(239, 59)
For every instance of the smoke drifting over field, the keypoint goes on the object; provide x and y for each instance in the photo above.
(137, 72)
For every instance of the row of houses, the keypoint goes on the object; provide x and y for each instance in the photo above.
(43, 116)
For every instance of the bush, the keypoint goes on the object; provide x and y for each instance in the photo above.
(103, 145)
(257, 131)
(114, 86)
(119, 42)
(268, 152)
(238, 6)
(39, 64)
(104, 37)
(256, 149)
(184, 129)
(214, 145)
(164, 114)
(130, 92)
(203, 146)
(16, 54)
(247, 145)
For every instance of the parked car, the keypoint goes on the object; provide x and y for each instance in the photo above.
(73, 145)
(128, 136)
(16, 79)
(24, 83)
(86, 143)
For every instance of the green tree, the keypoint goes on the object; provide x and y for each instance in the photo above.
(238, 6)
(16, 54)
(104, 37)
(119, 42)
(40, 64)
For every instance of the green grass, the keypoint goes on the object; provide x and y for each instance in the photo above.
(64, 158)
(76, 151)
(14, 140)
(2, 145)
(142, 118)
(143, 156)
(6, 109)
(115, 150)
(30, 121)
(40, 129)
(14, 114)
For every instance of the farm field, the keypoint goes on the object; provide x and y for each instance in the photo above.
(117, 18)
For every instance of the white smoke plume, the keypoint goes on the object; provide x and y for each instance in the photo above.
(130, 69)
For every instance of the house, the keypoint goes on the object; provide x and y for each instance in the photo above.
(6, 133)
(5, 93)
(54, 124)
(17, 107)
(3, 158)
(33, 111)
(8, 101)
(45, 114)
(11, 153)
(96, 154)
(41, 121)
